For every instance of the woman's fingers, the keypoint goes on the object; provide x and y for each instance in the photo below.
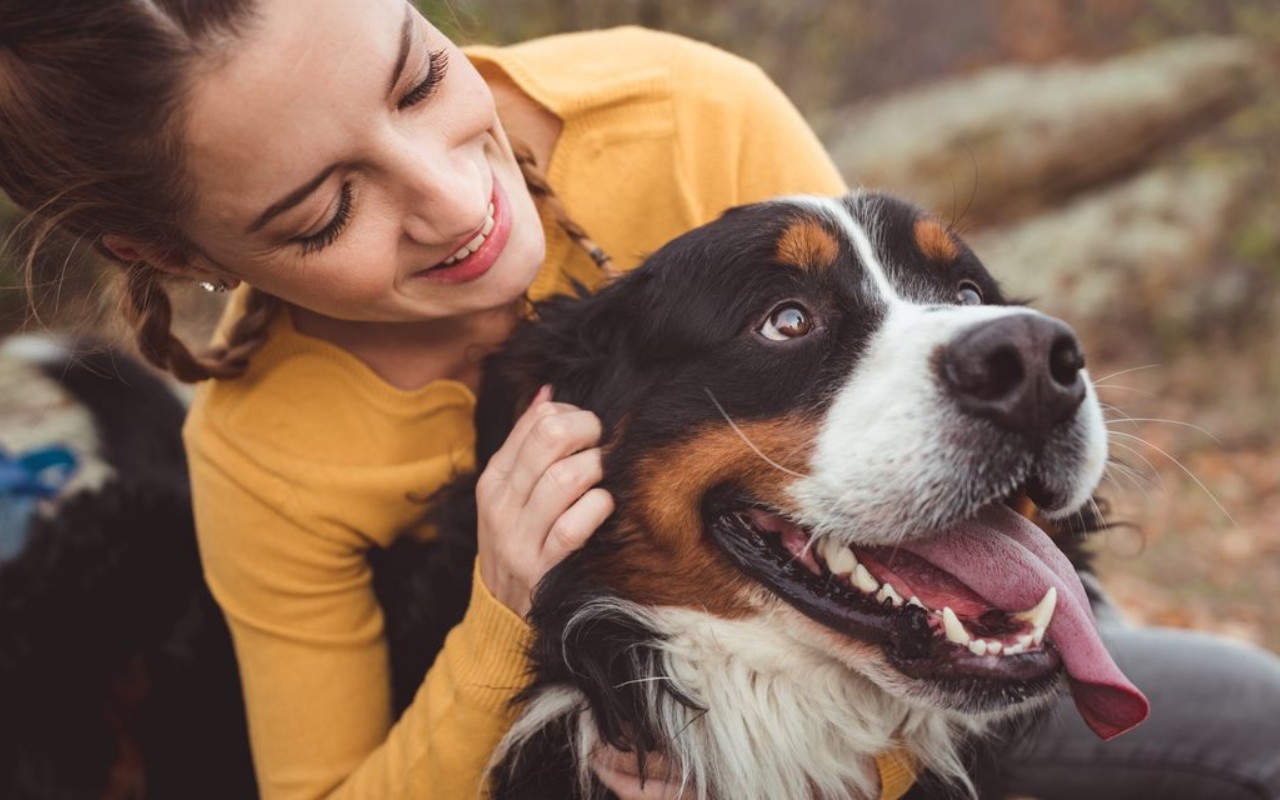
(559, 432)
(502, 461)
(535, 498)
(620, 774)
(560, 485)
(572, 529)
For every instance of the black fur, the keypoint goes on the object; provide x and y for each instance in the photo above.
(641, 354)
(424, 586)
(109, 638)
(638, 354)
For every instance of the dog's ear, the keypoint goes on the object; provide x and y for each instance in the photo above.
(577, 344)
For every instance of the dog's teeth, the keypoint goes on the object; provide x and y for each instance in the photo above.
(1040, 615)
(915, 601)
(1037, 636)
(887, 592)
(840, 559)
(1025, 640)
(955, 631)
(978, 647)
(863, 580)
(994, 648)
(1015, 649)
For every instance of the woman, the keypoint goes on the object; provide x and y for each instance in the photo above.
(358, 177)
(347, 162)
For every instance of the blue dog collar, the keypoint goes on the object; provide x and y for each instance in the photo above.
(24, 479)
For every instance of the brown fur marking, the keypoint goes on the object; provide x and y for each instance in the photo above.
(668, 559)
(808, 245)
(935, 241)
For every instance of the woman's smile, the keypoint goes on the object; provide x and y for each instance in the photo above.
(480, 249)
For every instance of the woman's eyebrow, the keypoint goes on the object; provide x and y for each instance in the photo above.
(292, 199)
(298, 195)
(406, 41)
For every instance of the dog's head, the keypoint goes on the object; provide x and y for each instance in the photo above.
(820, 412)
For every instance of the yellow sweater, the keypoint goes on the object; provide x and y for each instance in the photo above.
(302, 464)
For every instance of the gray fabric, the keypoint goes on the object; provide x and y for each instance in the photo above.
(1213, 733)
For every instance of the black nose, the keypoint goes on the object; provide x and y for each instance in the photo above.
(1022, 372)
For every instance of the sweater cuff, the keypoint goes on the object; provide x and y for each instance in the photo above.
(490, 660)
(897, 773)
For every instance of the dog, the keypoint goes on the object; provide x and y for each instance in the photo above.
(820, 416)
(117, 676)
(821, 419)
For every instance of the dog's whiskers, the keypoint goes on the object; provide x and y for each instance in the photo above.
(1197, 428)
(1100, 381)
(1151, 467)
(1115, 386)
(651, 679)
(1135, 478)
(1185, 471)
(748, 441)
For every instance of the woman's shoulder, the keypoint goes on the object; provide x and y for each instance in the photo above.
(569, 72)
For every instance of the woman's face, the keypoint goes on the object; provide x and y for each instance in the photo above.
(343, 153)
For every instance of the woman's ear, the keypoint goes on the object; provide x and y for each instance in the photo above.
(188, 265)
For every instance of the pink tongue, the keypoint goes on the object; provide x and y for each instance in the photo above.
(1012, 563)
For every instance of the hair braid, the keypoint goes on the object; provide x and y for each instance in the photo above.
(249, 333)
(541, 190)
(150, 312)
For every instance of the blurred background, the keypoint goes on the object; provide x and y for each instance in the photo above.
(1116, 162)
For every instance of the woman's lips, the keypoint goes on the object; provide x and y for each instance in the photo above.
(486, 252)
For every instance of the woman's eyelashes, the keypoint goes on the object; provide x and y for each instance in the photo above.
(435, 74)
(325, 236)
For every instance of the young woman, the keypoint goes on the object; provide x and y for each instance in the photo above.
(358, 175)
(385, 203)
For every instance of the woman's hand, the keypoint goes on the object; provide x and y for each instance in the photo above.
(620, 774)
(535, 499)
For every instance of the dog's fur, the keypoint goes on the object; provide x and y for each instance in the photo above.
(653, 637)
(117, 678)
(659, 635)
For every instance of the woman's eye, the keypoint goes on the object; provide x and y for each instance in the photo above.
(969, 294)
(790, 321)
(435, 74)
(326, 235)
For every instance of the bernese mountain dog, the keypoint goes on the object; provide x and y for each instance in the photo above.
(825, 430)
(117, 676)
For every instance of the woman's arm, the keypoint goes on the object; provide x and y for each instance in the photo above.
(308, 638)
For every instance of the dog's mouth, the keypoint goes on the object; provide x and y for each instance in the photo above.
(989, 607)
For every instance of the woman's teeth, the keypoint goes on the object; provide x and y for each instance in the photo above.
(473, 245)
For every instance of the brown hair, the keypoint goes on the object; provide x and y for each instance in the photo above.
(90, 95)
(90, 98)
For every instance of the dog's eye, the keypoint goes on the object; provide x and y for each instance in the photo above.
(969, 294)
(788, 321)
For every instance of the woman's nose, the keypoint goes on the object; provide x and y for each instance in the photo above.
(445, 197)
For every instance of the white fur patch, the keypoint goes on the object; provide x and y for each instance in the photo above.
(785, 716)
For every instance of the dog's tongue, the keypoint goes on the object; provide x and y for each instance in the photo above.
(1012, 563)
